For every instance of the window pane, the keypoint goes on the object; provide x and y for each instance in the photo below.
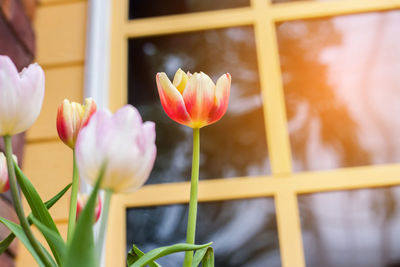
(342, 88)
(146, 8)
(234, 146)
(357, 228)
(243, 231)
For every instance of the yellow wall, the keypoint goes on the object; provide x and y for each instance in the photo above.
(60, 27)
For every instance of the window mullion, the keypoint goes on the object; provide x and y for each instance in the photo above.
(287, 214)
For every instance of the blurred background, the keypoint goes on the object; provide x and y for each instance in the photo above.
(322, 77)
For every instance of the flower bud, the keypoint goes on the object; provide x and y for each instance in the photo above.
(72, 117)
(82, 200)
(4, 183)
(123, 144)
(4, 186)
(21, 96)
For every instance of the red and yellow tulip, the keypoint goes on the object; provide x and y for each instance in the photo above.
(193, 99)
(72, 117)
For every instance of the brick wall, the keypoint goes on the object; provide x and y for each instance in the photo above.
(17, 40)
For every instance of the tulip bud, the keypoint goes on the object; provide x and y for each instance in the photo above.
(21, 96)
(120, 142)
(4, 185)
(82, 200)
(193, 99)
(72, 117)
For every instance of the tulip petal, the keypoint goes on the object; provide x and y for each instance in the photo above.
(147, 136)
(127, 117)
(171, 99)
(199, 98)
(64, 122)
(180, 80)
(90, 108)
(91, 143)
(222, 91)
(9, 82)
(30, 95)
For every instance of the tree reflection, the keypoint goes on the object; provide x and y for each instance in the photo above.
(320, 123)
(312, 104)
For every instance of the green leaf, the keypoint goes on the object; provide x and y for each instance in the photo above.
(38, 208)
(81, 251)
(208, 259)
(56, 239)
(135, 254)
(50, 203)
(19, 233)
(163, 251)
(205, 256)
(6, 242)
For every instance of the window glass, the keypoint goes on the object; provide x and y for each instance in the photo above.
(287, 1)
(357, 228)
(243, 231)
(153, 8)
(236, 145)
(342, 89)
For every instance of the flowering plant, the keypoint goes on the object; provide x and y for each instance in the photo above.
(112, 152)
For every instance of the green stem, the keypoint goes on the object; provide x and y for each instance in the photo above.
(73, 201)
(191, 226)
(104, 219)
(18, 206)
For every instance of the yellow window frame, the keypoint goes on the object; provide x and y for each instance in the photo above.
(283, 185)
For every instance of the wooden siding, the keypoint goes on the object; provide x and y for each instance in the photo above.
(65, 82)
(60, 34)
(60, 27)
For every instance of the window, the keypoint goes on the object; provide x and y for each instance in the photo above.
(298, 83)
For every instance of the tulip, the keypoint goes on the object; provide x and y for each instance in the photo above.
(82, 200)
(21, 96)
(4, 185)
(193, 99)
(120, 143)
(72, 117)
(4, 182)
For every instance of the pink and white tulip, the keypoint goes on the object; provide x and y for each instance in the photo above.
(21, 96)
(193, 99)
(80, 204)
(72, 117)
(4, 185)
(122, 143)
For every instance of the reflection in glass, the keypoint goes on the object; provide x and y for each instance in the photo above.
(243, 231)
(359, 228)
(342, 89)
(145, 8)
(234, 146)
